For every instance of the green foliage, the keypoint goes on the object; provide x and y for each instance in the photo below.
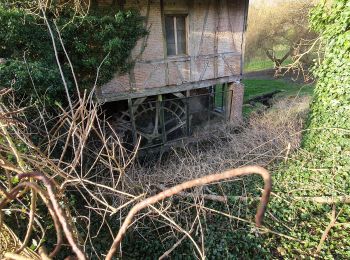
(30, 63)
(322, 167)
(331, 107)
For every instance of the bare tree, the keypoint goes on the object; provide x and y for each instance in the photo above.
(277, 30)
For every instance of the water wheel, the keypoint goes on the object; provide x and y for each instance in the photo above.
(155, 120)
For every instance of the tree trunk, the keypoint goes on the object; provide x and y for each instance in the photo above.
(276, 61)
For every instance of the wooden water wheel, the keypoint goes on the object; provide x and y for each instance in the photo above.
(155, 120)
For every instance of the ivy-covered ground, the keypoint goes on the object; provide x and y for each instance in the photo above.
(321, 168)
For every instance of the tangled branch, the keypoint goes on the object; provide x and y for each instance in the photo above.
(193, 183)
(60, 219)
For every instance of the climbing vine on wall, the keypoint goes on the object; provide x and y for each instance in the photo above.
(28, 62)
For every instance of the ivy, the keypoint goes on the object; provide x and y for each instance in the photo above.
(322, 167)
(30, 65)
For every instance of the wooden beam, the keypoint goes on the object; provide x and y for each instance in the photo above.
(110, 97)
(245, 24)
(236, 116)
(228, 107)
(188, 116)
(161, 117)
(216, 38)
(132, 120)
(184, 57)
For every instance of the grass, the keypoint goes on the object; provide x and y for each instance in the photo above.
(262, 62)
(258, 64)
(258, 87)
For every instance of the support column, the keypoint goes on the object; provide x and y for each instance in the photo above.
(132, 119)
(160, 104)
(235, 102)
(188, 121)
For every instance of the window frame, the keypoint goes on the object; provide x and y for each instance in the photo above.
(174, 18)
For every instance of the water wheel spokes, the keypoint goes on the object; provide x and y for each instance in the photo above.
(155, 120)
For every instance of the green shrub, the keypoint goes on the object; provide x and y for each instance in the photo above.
(30, 64)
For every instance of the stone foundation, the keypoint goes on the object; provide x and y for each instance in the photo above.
(236, 104)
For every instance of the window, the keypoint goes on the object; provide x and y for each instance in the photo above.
(175, 29)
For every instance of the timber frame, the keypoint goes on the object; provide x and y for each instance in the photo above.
(168, 89)
(214, 57)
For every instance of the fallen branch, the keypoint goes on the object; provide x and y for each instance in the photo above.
(224, 199)
(193, 183)
(331, 224)
(325, 199)
(211, 197)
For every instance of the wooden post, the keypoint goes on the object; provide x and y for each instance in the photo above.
(161, 118)
(236, 101)
(228, 106)
(188, 121)
(132, 120)
(210, 89)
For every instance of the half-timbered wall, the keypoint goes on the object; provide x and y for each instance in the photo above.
(214, 48)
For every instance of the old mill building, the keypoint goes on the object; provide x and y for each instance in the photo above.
(187, 71)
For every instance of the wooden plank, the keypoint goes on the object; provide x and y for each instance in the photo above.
(182, 58)
(110, 97)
